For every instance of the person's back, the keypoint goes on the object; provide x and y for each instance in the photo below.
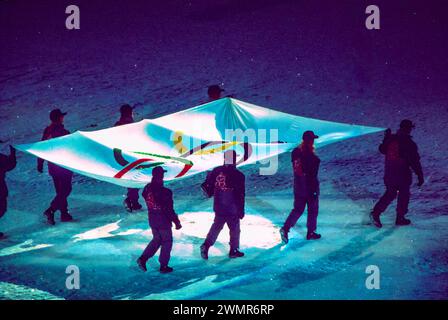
(161, 216)
(227, 185)
(159, 201)
(306, 167)
(401, 155)
(229, 190)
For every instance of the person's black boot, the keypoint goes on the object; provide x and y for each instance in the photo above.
(375, 219)
(284, 235)
(204, 251)
(141, 264)
(402, 221)
(235, 253)
(127, 205)
(313, 236)
(65, 216)
(49, 213)
(166, 269)
(136, 206)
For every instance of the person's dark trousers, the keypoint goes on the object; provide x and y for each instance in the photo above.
(392, 191)
(132, 195)
(63, 187)
(233, 223)
(162, 238)
(299, 207)
(3, 206)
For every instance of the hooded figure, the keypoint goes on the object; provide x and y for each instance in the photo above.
(401, 158)
(161, 216)
(131, 202)
(7, 163)
(227, 186)
(62, 178)
(305, 164)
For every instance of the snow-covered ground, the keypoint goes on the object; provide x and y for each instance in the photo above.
(307, 59)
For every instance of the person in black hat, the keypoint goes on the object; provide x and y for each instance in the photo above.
(161, 216)
(401, 156)
(305, 164)
(7, 163)
(62, 178)
(127, 116)
(227, 186)
(214, 92)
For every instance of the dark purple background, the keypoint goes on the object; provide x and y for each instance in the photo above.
(188, 39)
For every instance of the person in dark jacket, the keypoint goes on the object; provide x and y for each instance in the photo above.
(401, 156)
(62, 178)
(305, 164)
(7, 163)
(161, 216)
(131, 202)
(227, 185)
(214, 92)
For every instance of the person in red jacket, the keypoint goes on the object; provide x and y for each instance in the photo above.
(161, 216)
(305, 164)
(131, 202)
(7, 163)
(62, 178)
(401, 156)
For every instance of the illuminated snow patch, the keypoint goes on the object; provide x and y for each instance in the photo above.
(184, 250)
(98, 233)
(129, 232)
(13, 291)
(22, 247)
(256, 231)
(105, 232)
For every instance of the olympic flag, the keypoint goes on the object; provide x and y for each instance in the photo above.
(186, 142)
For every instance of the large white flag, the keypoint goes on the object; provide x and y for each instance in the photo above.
(186, 142)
